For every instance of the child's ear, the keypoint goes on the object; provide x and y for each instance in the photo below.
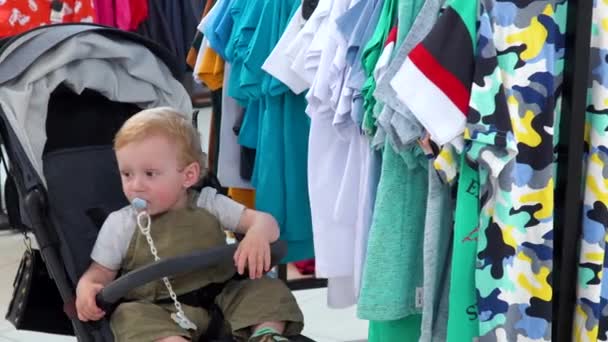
(192, 173)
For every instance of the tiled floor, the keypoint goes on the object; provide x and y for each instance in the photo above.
(321, 323)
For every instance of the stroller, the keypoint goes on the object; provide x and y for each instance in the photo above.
(65, 90)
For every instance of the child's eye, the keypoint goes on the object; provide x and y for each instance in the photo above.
(151, 173)
(125, 174)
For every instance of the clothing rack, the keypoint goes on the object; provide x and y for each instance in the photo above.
(568, 201)
(568, 223)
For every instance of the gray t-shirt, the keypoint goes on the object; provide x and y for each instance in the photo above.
(115, 235)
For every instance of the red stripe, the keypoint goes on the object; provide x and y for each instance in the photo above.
(392, 36)
(442, 78)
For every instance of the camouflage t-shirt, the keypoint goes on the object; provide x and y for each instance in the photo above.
(514, 105)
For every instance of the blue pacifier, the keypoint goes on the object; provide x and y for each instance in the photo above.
(139, 204)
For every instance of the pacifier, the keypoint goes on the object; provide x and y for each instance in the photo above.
(143, 217)
(139, 204)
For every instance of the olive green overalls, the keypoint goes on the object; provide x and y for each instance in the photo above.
(244, 303)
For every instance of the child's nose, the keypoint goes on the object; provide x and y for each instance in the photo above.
(138, 184)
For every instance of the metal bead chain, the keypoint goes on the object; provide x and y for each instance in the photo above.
(144, 228)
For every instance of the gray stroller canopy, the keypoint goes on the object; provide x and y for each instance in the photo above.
(79, 57)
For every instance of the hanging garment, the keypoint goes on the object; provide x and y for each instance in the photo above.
(405, 170)
(337, 212)
(403, 129)
(217, 26)
(357, 77)
(437, 240)
(345, 25)
(18, 16)
(351, 28)
(210, 71)
(235, 161)
(245, 15)
(392, 275)
(278, 64)
(510, 123)
(244, 196)
(590, 316)
(208, 66)
(395, 117)
(275, 123)
(329, 151)
(371, 54)
(458, 20)
(139, 13)
(362, 168)
(295, 60)
(463, 322)
(407, 13)
(198, 36)
(305, 50)
(513, 143)
(171, 24)
(448, 95)
(370, 177)
(124, 14)
(327, 156)
(104, 10)
(231, 19)
(392, 292)
(297, 227)
(229, 148)
(394, 330)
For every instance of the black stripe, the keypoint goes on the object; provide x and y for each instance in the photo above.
(450, 43)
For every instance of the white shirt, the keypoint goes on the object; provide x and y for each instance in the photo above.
(332, 195)
(278, 64)
(305, 55)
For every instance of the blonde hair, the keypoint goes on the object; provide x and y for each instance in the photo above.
(169, 123)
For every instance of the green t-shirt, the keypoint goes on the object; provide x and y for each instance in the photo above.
(463, 324)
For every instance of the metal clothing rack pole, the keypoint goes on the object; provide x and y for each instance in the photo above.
(568, 201)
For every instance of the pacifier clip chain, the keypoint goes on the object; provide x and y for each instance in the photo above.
(143, 223)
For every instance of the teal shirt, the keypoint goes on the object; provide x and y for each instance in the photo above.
(276, 123)
(371, 54)
(393, 270)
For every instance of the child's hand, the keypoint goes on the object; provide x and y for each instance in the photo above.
(254, 253)
(86, 306)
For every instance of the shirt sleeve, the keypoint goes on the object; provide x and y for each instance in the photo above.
(278, 63)
(113, 240)
(441, 68)
(227, 210)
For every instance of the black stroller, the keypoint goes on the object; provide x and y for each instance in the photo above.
(64, 92)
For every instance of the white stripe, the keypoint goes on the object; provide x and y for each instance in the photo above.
(435, 111)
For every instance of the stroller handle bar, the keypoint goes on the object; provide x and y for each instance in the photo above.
(117, 289)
